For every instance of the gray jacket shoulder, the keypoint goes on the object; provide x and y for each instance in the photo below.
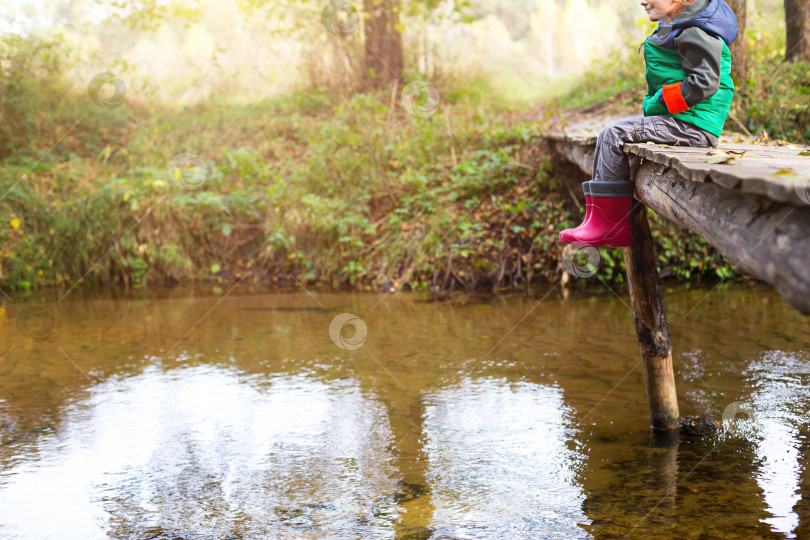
(695, 37)
(700, 56)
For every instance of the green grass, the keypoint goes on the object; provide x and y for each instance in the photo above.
(337, 192)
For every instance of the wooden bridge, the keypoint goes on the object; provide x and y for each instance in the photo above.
(752, 202)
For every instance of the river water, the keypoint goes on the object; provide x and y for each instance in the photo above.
(191, 413)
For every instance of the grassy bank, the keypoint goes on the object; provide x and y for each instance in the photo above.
(336, 191)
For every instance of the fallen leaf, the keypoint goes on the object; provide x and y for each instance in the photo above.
(802, 181)
(727, 160)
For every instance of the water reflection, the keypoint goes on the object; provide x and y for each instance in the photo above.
(203, 452)
(501, 465)
(781, 380)
(507, 417)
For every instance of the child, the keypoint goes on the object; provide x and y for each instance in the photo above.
(689, 91)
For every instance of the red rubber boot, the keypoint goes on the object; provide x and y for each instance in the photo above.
(565, 235)
(609, 224)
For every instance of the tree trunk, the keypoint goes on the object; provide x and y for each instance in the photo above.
(383, 43)
(797, 26)
(739, 63)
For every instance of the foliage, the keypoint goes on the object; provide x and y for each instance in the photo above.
(339, 191)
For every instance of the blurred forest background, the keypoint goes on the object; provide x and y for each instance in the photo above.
(377, 145)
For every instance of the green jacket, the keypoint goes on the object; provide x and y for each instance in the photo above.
(665, 71)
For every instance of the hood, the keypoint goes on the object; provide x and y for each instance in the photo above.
(717, 19)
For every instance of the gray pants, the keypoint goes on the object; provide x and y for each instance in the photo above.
(612, 165)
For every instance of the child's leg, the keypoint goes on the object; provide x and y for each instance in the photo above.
(611, 189)
(611, 164)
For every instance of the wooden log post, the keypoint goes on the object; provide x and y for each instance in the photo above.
(651, 323)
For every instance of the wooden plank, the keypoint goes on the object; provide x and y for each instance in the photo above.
(580, 154)
(692, 168)
(759, 176)
(761, 173)
(584, 132)
(777, 172)
(777, 151)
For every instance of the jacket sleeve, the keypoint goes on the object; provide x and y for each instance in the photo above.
(652, 106)
(700, 56)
